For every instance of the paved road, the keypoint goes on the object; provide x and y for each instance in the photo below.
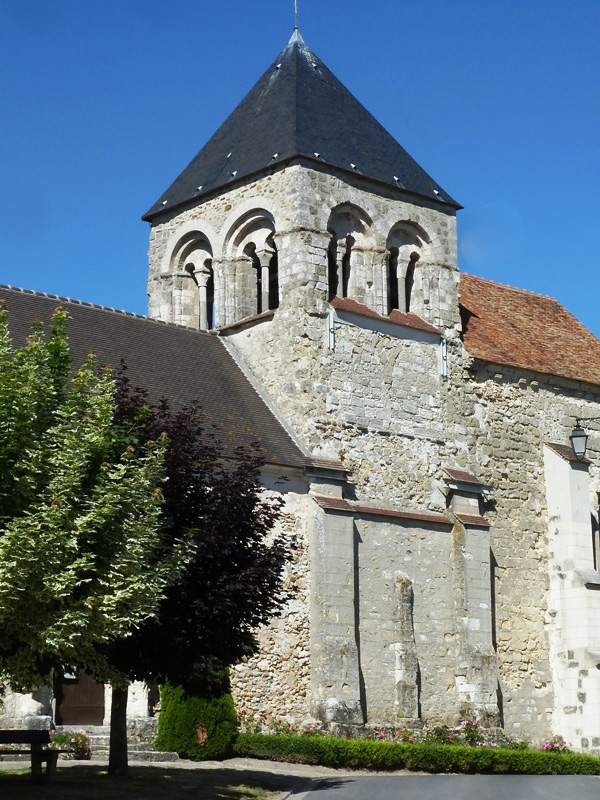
(456, 787)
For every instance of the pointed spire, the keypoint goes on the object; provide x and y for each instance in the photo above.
(299, 108)
(295, 15)
(296, 38)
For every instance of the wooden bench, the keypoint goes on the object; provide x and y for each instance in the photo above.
(38, 742)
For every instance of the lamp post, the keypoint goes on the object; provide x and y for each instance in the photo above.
(579, 437)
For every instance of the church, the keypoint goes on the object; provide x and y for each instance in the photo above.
(426, 428)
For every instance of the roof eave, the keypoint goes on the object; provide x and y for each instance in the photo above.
(151, 215)
(496, 362)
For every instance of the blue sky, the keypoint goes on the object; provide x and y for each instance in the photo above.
(104, 103)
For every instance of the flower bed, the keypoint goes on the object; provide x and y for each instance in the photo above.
(79, 744)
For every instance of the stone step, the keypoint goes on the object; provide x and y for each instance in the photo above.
(90, 730)
(100, 735)
(97, 741)
(139, 755)
(131, 747)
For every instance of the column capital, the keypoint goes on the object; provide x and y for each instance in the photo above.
(202, 276)
(264, 256)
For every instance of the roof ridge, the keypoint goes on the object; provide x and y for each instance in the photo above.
(518, 289)
(99, 307)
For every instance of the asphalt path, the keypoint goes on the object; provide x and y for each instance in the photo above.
(455, 787)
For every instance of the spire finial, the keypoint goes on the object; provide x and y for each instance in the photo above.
(295, 15)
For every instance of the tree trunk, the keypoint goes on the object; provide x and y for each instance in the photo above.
(117, 758)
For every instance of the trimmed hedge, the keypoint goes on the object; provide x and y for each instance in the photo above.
(200, 728)
(330, 751)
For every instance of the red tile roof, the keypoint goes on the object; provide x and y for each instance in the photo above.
(352, 507)
(396, 317)
(234, 326)
(473, 520)
(510, 326)
(462, 475)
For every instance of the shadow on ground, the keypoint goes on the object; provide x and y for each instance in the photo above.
(153, 783)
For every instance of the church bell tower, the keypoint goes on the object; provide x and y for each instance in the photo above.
(299, 199)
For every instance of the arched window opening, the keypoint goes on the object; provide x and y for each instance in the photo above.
(210, 299)
(271, 291)
(409, 281)
(332, 270)
(251, 247)
(346, 265)
(266, 280)
(251, 252)
(393, 292)
(274, 282)
(186, 262)
(256, 265)
(348, 226)
(339, 256)
(406, 243)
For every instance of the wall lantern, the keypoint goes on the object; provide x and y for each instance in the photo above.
(579, 437)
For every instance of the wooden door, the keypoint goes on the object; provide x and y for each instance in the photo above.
(79, 701)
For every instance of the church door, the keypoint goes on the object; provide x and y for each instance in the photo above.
(79, 701)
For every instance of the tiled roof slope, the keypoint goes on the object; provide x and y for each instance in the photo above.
(510, 326)
(299, 108)
(396, 317)
(183, 365)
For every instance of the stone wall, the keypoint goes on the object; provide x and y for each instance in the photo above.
(516, 413)
(276, 681)
(408, 631)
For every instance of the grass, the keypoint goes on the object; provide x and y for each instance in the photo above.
(143, 783)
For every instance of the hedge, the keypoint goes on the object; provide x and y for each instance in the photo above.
(200, 728)
(331, 751)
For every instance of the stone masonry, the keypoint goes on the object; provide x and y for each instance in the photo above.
(476, 637)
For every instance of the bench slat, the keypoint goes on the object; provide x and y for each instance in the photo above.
(24, 737)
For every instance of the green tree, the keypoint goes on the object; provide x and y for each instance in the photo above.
(81, 562)
(231, 582)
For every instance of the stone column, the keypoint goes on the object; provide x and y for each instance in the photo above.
(401, 267)
(343, 250)
(382, 289)
(335, 671)
(202, 276)
(264, 259)
(223, 271)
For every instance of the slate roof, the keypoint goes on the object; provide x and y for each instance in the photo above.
(299, 108)
(182, 365)
(510, 326)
